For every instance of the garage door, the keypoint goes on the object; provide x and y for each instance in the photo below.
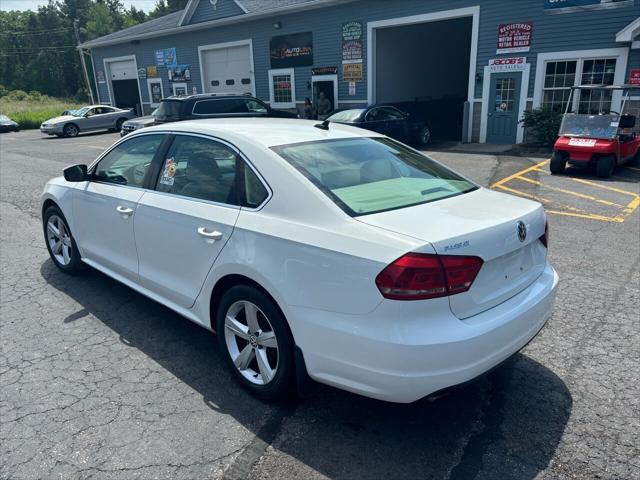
(122, 70)
(227, 70)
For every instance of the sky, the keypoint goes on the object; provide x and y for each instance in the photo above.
(145, 5)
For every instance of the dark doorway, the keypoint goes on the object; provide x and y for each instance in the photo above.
(125, 93)
(325, 87)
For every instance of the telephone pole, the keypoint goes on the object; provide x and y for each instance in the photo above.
(76, 30)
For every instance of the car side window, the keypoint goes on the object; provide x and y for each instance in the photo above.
(127, 164)
(107, 110)
(372, 115)
(254, 190)
(389, 113)
(254, 106)
(200, 168)
(91, 112)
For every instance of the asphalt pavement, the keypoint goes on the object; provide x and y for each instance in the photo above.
(97, 381)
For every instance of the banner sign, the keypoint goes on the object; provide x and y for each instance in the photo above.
(152, 72)
(179, 73)
(294, 50)
(324, 71)
(509, 64)
(514, 37)
(565, 6)
(634, 76)
(352, 42)
(100, 76)
(352, 72)
(166, 57)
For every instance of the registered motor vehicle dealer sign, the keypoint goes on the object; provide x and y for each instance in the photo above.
(514, 37)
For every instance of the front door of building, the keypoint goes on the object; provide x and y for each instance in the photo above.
(504, 103)
(327, 86)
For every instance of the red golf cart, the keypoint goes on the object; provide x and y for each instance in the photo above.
(603, 139)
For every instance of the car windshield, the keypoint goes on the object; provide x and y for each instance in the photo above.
(3, 118)
(346, 115)
(589, 126)
(370, 175)
(168, 110)
(80, 112)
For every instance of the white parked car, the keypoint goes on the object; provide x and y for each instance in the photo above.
(334, 251)
(87, 119)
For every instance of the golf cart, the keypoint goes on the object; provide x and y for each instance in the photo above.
(603, 139)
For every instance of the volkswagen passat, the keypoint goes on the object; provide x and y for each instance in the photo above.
(333, 250)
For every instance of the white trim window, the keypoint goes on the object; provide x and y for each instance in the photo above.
(156, 91)
(282, 88)
(179, 89)
(562, 73)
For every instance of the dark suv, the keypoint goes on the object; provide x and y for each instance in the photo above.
(193, 107)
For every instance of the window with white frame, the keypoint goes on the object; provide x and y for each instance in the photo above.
(282, 88)
(561, 75)
(156, 91)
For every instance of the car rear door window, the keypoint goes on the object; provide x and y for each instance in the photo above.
(128, 162)
(200, 168)
(219, 106)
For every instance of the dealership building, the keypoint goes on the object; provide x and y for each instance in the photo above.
(469, 67)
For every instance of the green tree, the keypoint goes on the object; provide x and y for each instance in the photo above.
(101, 21)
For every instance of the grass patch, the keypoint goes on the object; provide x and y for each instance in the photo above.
(31, 113)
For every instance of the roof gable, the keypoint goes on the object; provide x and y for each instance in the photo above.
(198, 11)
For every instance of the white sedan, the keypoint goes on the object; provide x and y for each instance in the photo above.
(312, 249)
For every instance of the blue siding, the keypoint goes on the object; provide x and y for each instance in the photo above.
(205, 11)
(551, 32)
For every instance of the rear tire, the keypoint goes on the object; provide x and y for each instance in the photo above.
(635, 160)
(558, 163)
(259, 352)
(424, 136)
(605, 166)
(60, 242)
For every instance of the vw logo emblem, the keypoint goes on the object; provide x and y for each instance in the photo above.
(522, 231)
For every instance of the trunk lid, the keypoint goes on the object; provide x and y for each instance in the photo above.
(481, 223)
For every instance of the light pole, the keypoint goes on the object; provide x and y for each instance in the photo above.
(82, 61)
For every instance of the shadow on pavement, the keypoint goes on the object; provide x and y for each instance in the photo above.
(505, 425)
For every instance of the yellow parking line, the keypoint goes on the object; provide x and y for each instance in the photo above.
(521, 172)
(569, 192)
(589, 216)
(632, 206)
(523, 194)
(605, 187)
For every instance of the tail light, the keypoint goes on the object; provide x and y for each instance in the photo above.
(418, 276)
(544, 238)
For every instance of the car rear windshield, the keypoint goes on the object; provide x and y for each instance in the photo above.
(370, 175)
(168, 111)
(346, 115)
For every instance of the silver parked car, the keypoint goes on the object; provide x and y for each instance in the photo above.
(87, 119)
(138, 123)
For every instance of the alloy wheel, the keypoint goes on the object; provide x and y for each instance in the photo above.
(59, 240)
(71, 130)
(425, 135)
(251, 342)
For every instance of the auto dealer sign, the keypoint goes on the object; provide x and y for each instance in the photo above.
(514, 37)
(509, 64)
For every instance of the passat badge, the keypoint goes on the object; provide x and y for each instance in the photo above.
(522, 231)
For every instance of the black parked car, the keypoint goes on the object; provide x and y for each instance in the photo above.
(193, 107)
(387, 120)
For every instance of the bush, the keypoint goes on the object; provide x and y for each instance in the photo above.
(29, 110)
(17, 96)
(544, 124)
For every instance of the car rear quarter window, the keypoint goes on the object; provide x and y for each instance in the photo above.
(369, 175)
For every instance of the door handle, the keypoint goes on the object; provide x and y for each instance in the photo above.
(124, 210)
(212, 236)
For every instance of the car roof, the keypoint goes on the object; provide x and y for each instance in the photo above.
(268, 132)
(200, 96)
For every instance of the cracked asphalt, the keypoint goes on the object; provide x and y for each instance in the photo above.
(96, 381)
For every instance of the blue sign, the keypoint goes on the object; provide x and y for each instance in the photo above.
(166, 57)
(574, 5)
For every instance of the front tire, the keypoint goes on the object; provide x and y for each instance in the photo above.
(558, 163)
(60, 242)
(256, 342)
(424, 136)
(119, 124)
(605, 166)
(71, 130)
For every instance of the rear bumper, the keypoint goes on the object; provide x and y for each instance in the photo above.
(399, 353)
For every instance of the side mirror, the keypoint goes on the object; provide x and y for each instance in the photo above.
(76, 173)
